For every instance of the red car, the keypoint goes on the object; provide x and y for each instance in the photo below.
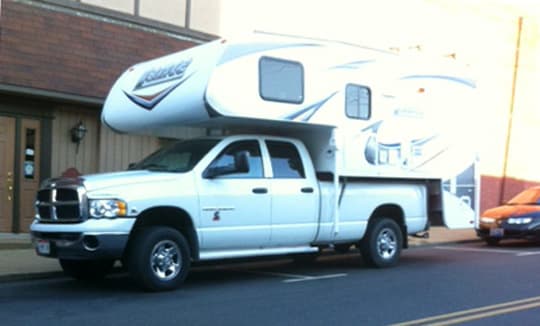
(517, 219)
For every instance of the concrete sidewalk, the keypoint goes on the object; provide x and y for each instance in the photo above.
(18, 260)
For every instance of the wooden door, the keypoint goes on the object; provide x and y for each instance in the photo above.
(7, 172)
(29, 175)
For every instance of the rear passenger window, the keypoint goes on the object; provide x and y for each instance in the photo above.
(286, 161)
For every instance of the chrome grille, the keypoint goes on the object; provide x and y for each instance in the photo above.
(60, 205)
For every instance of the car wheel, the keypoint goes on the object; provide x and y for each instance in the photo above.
(159, 258)
(492, 241)
(382, 243)
(86, 269)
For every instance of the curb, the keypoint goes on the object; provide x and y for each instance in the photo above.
(30, 276)
(441, 243)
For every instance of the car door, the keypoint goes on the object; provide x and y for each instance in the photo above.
(295, 196)
(235, 208)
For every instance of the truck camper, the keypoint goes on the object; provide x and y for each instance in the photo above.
(321, 145)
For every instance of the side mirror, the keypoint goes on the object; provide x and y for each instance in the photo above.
(241, 162)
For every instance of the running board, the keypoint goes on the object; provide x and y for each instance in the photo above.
(243, 253)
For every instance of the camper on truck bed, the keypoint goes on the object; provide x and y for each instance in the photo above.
(323, 145)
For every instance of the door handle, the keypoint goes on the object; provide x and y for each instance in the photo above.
(307, 190)
(260, 190)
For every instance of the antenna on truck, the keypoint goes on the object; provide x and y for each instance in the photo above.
(324, 41)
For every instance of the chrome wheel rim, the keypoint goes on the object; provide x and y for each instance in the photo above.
(386, 243)
(165, 260)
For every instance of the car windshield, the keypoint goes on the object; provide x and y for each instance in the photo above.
(178, 157)
(527, 197)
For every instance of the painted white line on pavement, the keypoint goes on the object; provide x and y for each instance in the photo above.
(496, 251)
(529, 253)
(291, 278)
(314, 278)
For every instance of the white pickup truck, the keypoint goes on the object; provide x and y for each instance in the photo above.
(370, 155)
(215, 198)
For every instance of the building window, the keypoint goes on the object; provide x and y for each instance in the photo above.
(281, 80)
(358, 102)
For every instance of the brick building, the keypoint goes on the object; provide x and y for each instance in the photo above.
(58, 59)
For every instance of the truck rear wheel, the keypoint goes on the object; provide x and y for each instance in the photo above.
(86, 269)
(159, 258)
(381, 246)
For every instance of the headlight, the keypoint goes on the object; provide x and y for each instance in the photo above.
(487, 220)
(107, 208)
(520, 220)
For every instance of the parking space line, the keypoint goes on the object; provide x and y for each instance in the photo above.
(292, 278)
(497, 251)
(314, 278)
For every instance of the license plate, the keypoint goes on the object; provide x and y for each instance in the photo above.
(497, 232)
(43, 247)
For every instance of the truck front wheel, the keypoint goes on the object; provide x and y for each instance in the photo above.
(159, 258)
(86, 269)
(381, 246)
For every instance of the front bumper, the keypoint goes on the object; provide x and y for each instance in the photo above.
(512, 231)
(92, 239)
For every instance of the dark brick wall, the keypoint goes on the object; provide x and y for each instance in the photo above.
(55, 51)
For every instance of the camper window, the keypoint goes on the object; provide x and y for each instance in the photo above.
(286, 161)
(281, 80)
(358, 102)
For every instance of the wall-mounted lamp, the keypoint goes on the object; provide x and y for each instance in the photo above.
(77, 133)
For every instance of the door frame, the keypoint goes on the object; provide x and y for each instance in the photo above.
(45, 136)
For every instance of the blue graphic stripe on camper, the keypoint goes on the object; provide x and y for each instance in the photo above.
(352, 65)
(463, 81)
(306, 113)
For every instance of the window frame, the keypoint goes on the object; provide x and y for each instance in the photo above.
(274, 99)
(358, 117)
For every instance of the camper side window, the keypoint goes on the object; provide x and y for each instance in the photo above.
(357, 102)
(286, 161)
(281, 80)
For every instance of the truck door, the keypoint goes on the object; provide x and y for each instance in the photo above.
(295, 196)
(235, 208)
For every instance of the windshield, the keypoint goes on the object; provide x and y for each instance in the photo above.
(177, 157)
(527, 197)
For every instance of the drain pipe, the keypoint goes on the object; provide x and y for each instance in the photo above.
(511, 111)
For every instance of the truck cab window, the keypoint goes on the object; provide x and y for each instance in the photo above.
(177, 157)
(286, 161)
(226, 159)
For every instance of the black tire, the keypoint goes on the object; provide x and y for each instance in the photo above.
(490, 241)
(382, 243)
(86, 269)
(159, 258)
